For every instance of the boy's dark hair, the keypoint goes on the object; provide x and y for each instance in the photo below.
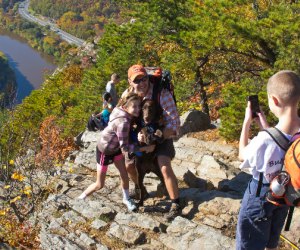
(106, 96)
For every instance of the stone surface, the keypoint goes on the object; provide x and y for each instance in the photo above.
(127, 234)
(138, 220)
(210, 186)
(211, 170)
(98, 224)
(183, 234)
(220, 212)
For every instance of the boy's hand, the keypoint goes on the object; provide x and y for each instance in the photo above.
(245, 130)
(261, 120)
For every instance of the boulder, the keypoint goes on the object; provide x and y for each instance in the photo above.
(193, 121)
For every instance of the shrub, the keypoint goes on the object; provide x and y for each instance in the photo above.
(235, 102)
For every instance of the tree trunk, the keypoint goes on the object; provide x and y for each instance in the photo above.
(199, 82)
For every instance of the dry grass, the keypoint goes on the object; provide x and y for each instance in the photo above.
(212, 135)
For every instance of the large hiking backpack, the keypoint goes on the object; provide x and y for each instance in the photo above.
(292, 167)
(161, 79)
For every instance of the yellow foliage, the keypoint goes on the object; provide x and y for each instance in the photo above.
(16, 234)
(17, 176)
(11, 162)
(15, 199)
(50, 40)
(72, 75)
(7, 187)
(27, 191)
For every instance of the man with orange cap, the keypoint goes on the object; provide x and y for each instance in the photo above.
(139, 83)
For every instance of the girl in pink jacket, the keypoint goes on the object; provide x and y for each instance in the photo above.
(114, 143)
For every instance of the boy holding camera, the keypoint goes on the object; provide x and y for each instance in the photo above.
(260, 222)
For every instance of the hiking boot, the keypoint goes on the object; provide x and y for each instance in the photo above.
(136, 194)
(130, 205)
(174, 211)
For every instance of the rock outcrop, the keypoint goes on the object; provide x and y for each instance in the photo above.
(211, 187)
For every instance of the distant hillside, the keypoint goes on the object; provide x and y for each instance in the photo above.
(8, 82)
(83, 18)
(4, 4)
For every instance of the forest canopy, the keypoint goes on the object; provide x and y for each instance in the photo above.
(83, 18)
(217, 51)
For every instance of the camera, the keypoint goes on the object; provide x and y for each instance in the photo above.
(254, 105)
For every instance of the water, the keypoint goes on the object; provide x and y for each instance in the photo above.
(28, 64)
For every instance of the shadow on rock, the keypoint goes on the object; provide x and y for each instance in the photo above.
(237, 184)
(202, 193)
(195, 182)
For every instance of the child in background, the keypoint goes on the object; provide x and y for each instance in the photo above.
(113, 143)
(260, 222)
(103, 116)
(111, 87)
(107, 107)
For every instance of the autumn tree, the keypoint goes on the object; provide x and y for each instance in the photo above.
(220, 43)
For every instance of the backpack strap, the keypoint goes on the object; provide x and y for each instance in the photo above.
(278, 137)
(260, 183)
(289, 219)
(156, 92)
(281, 141)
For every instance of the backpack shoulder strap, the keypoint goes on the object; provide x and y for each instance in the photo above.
(156, 93)
(289, 219)
(278, 137)
(281, 141)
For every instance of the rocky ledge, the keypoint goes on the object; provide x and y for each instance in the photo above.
(211, 187)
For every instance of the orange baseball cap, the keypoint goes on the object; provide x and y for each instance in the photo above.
(136, 70)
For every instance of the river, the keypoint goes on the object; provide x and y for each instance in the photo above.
(28, 64)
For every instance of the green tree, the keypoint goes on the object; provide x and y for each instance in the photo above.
(240, 43)
(8, 83)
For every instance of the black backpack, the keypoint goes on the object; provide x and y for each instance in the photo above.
(161, 79)
(95, 123)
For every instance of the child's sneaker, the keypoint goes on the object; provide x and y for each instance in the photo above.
(130, 205)
(82, 196)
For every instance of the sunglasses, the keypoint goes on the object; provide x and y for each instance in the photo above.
(138, 81)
